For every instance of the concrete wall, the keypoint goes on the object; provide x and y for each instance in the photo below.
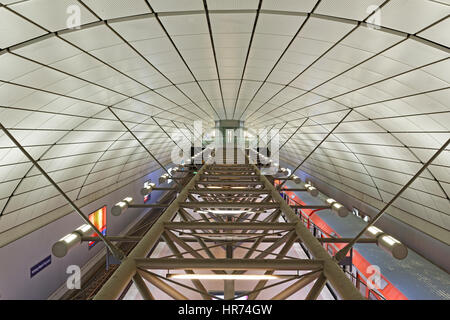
(18, 257)
(428, 247)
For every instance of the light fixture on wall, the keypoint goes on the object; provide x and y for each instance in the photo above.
(391, 245)
(175, 169)
(148, 188)
(373, 231)
(282, 171)
(63, 245)
(311, 190)
(388, 243)
(163, 178)
(84, 230)
(338, 208)
(296, 179)
(121, 206)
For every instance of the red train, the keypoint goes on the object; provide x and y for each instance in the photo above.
(360, 270)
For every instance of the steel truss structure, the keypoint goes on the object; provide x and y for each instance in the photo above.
(226, 222)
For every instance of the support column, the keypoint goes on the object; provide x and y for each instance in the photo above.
(142, 287)
(229, 284)
(332, 271)
(112, 289)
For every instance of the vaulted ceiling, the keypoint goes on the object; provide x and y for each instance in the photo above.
(86, 101)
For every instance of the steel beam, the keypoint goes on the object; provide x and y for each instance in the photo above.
(283, 252)
(228, 176)
(121, 277)
(233, 191)
(332, 270)
(296, 286)
(317, 288)
(346, 240)
(157, 282)
(230, 183)
(230, 226)
(197, 283)
(292, 189)
(228, 264)
(142, 287)
(205, 204)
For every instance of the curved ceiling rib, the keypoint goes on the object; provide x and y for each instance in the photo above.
(162, 64)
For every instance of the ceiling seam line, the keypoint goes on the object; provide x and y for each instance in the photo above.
(414, 154)
(361, 88)
(265, 11)
(342, 73)
(279, 59)
(248, 54)
(77, 177)
(325, 164)
(159, 71)
(96, 84)
(123, 74)
(307, 68)
(58, 94)
(40, 157)
(101, 156)
(315, 167)
(142, 144)
(211, 39)
(296, 146)
(371, 103)
(317, 146)
(52, 197)
(180, 55)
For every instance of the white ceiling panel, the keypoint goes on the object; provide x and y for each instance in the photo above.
(176, 5)
(55, 91)
(14, 30)
(53, 15)
(289, 5)
(412, 16)
(350, 9)
(109, 9)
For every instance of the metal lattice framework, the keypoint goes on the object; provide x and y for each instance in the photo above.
(227, 222)
(85, 101)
